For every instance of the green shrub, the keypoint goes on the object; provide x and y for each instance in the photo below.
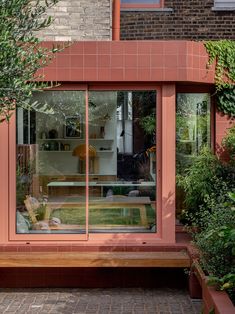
(229, 142)
(206, 183)
(216, 244)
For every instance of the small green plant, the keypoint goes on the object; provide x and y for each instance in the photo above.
(224, 283)
(148, 123)
(229, 142)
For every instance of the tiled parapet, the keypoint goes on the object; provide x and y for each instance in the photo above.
(131, 61)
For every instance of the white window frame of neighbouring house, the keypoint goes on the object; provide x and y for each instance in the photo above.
(224, 5)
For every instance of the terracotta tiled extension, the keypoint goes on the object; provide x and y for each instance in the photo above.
(133, 61)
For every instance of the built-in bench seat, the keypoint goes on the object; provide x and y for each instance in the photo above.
(95, 259)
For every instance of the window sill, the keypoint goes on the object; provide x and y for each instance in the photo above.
(160, 10)
(223, 8)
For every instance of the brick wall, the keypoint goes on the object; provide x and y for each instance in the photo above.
(190, 19)
(80, 20)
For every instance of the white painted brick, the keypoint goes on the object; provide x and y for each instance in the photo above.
(80, 20)
(63, 38)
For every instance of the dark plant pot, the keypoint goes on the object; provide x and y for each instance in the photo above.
(217, 302)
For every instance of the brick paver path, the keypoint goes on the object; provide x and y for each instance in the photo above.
(102, 301)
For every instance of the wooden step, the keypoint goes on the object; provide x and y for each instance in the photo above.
(94, 259)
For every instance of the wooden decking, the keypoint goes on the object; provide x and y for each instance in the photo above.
(94, 259)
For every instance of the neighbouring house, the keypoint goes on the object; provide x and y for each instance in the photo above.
(134, 103)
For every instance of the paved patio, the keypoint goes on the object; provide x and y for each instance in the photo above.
(102, 301)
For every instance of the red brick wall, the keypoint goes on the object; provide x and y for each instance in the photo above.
(190, 19)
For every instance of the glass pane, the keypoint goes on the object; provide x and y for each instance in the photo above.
(122, 161)
(50, 176)
(192, 132)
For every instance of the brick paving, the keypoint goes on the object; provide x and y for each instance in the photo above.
(97, 301)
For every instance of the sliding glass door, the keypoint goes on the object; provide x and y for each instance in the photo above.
(54, 176)
(50, 186)
(122, 161)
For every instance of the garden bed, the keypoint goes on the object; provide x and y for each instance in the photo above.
(214, 302)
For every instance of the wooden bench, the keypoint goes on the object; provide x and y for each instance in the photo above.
(94, 259)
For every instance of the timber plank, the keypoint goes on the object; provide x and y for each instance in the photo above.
(94, 259)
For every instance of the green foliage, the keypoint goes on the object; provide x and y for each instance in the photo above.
(217, 243)
(223, 53)
(21, 53)
(206, 183)
(217, 248)
(211, 206)
(226, 100)
(40, 212)
(229, 142)
(224, 283)
(148, 123)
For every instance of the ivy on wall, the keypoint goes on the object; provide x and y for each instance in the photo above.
(226, 100)
(222, 52)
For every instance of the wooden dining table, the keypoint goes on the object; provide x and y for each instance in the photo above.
(111, 202)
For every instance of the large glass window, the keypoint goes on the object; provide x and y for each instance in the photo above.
(193, 131)
(52, 162)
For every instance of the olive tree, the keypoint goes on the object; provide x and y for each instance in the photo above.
(22, 53)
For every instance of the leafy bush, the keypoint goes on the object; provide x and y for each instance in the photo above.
(217, 243)
(211, 206)
(229, 142)
(217, 247)
(206, 183)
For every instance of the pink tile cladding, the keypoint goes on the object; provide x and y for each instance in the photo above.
(223, 123)
(130, 61)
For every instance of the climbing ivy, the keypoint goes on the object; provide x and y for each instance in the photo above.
(226, 100)
(222, 52)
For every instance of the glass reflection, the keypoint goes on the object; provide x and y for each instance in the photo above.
(51, 163)
(192, 133)
(47, 167)
(122, 194)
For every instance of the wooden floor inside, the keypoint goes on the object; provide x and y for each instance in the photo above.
(94, 259)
